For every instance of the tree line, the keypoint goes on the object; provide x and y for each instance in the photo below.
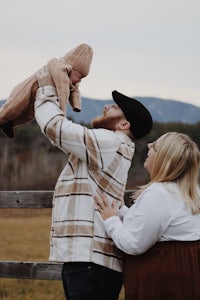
(30, 162)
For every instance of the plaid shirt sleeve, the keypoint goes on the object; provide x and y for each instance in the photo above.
(68, 136)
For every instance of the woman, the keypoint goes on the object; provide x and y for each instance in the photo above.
(160, 233)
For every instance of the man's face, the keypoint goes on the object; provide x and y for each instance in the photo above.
(111, 115)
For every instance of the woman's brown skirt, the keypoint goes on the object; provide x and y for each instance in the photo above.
(168, 271)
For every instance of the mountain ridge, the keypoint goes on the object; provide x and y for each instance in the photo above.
(162, 110)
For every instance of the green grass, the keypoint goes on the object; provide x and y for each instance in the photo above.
(25, 237)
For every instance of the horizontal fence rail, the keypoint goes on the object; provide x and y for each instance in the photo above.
(36, 199)
(26, 199)
(28, 269)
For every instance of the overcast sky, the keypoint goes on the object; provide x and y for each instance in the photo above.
(141, 48)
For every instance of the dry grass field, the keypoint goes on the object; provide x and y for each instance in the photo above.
(25, 237)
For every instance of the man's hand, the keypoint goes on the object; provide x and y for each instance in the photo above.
(43, 77)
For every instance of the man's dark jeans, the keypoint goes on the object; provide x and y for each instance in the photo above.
(89, 281)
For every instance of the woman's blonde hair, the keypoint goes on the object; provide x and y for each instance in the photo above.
(178, 160)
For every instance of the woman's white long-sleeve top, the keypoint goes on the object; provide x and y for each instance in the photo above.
(159, 214)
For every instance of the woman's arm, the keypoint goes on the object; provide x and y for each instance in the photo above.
(143, 224)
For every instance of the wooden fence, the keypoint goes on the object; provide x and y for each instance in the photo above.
(28, 269)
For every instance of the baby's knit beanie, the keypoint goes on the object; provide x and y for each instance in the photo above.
(80, 58)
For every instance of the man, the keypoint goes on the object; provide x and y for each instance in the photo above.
(99, 160)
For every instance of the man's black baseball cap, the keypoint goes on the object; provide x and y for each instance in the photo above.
(136, 113)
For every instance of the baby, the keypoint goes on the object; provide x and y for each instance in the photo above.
(65, 72)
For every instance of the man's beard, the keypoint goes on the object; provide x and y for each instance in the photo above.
(105, 122)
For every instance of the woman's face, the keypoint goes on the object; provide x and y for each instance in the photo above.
(152, 150)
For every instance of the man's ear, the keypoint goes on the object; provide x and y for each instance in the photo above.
(123, 125)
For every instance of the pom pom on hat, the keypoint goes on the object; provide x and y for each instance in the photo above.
(80, 58)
